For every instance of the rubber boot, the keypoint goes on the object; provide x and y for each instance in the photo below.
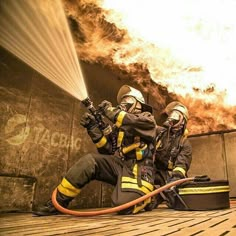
(49, 209)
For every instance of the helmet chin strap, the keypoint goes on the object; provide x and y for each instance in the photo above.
(132, 107)
(135, 107)
(179, 123)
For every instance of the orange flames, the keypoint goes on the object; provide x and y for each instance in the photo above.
(185, 46)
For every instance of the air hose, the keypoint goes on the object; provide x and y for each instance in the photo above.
(118, 208)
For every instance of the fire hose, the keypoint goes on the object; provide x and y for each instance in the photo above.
(117, 208)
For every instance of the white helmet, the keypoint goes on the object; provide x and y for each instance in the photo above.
(128, 91)
(178, 107)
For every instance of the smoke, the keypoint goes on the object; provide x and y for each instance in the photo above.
(102, 36)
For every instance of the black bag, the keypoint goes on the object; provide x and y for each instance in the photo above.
(202, 195)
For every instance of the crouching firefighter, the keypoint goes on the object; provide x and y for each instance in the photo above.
(126, 163)
(173, 150)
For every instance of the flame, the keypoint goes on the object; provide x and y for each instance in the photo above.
(185, 46)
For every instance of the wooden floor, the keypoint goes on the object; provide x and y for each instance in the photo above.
(161, 221)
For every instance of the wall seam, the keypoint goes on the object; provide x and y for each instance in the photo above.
(224, 155)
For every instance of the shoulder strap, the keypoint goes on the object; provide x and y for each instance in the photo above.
(183, 138)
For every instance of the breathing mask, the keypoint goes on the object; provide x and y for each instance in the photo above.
(175, 120)
(130, 104)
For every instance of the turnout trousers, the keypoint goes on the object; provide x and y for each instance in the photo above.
(131, 179)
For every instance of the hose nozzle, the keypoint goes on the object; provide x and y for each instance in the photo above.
(96, 113)
(87, 102)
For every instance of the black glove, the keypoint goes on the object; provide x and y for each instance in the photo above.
(88, 121)
(108, 110)
(104, 105)
(175, 175)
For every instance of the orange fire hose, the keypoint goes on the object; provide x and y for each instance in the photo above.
(118, 208)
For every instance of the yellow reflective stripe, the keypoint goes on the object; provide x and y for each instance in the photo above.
(102, 142)
(120, 138)
(120, 118)
(204, 190)
(135, 186)
(170, 165)
(186, 133)
(135, 171)
(180, 169)
(67, 188)
(138, 208)
(130, 147)
(158, 144)
(139, 152)
(135, 181)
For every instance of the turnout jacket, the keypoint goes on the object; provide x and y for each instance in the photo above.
(173, 151)
(133, 136)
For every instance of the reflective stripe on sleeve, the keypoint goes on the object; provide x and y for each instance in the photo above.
(120, 118)
(180, 169)
(102, 142)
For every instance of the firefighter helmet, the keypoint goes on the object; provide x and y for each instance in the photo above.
(177, 106)
(128, 91)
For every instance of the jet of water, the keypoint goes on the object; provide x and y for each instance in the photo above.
(38, 33)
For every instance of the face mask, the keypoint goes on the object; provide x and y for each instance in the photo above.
(174, 120)
(130, 104)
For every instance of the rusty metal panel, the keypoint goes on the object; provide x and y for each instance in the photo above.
(208, 157)
(230, 149)
(16, 193)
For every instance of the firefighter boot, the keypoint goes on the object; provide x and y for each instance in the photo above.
(155, 201)
(49, 209)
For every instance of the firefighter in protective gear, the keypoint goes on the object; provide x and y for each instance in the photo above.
(128, 166)
(173, 150)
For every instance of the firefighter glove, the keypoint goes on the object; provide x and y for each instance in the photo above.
(88, 121)
(95, 134)
(108, 110)
(175, 175)
(104, 105)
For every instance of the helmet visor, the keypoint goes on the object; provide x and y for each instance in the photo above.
(174, 119)
(130, 104)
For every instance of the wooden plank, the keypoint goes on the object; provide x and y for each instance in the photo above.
(157, 222)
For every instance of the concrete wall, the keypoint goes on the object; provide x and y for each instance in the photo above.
(214, 155)
(40, 137)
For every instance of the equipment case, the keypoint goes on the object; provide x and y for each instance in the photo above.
(206, 195)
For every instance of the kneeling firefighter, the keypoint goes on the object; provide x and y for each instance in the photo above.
(173, 150)
(127, 163)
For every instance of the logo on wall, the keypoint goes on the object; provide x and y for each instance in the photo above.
(16, 130)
